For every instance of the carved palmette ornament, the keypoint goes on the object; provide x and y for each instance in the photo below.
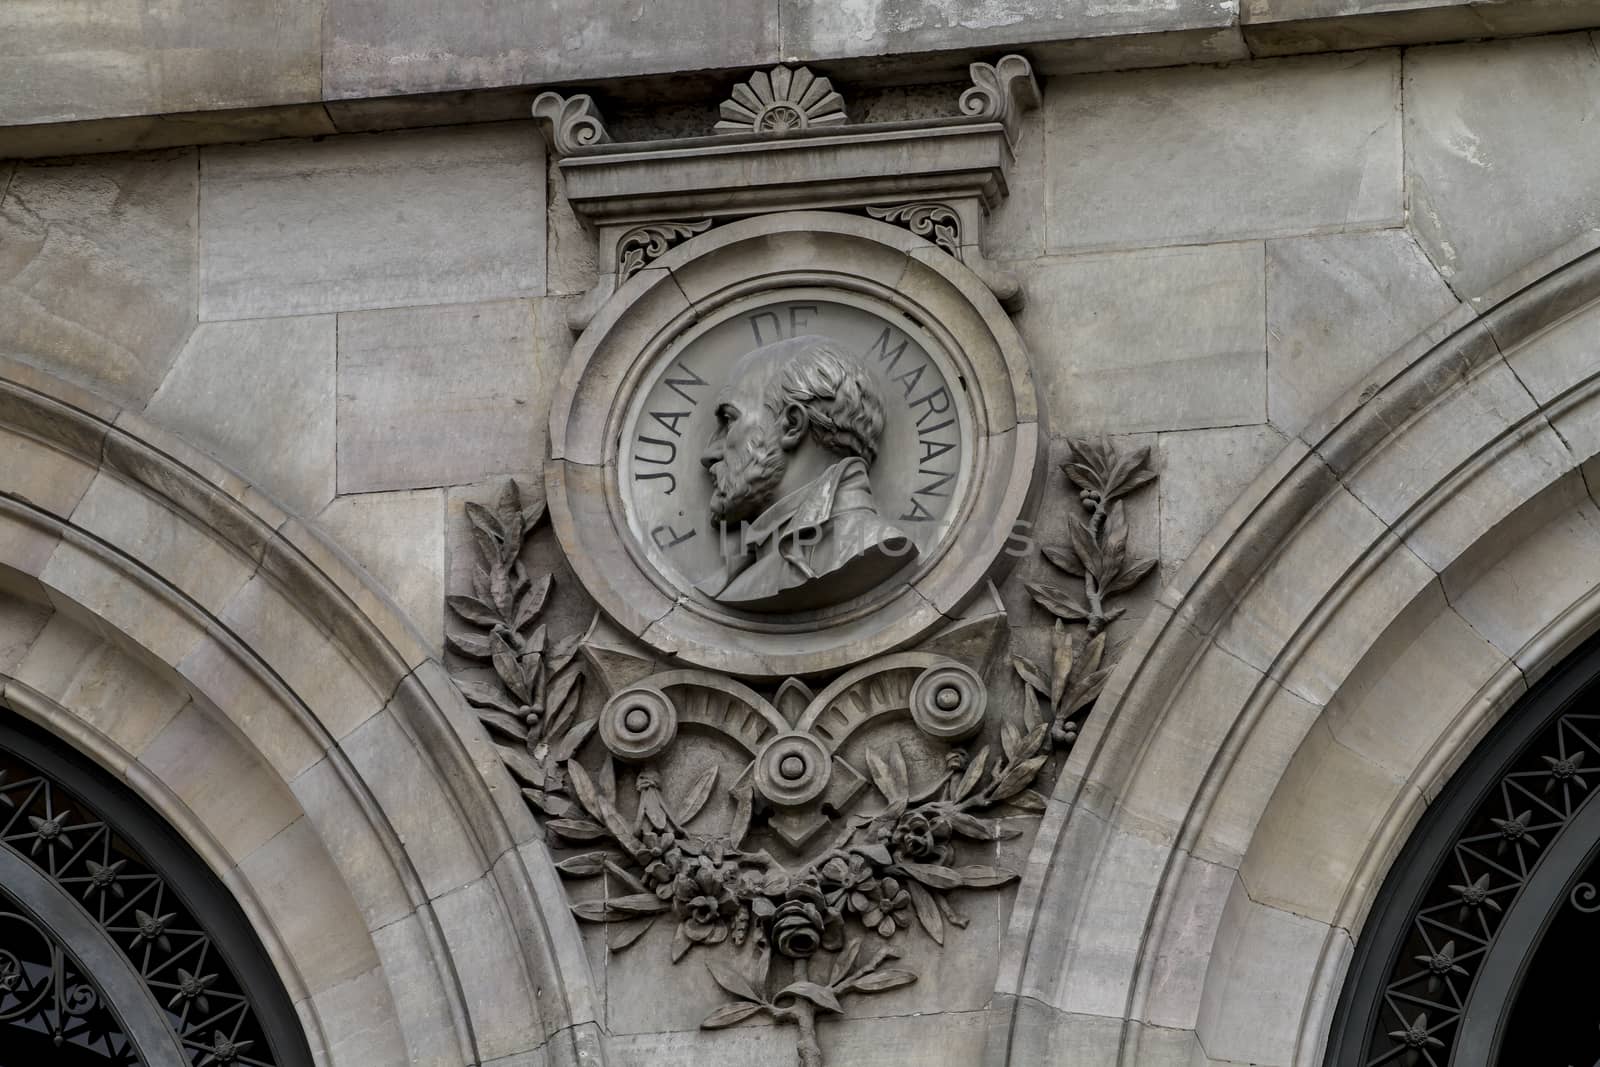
(937, 222)
(781, 100)
(569, 123)
(1001, 92)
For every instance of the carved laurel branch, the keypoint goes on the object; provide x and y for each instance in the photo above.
(1097, 555)
(938, 223)
(642, 245)
(1001, 92)
(569, 123)
(533, 692)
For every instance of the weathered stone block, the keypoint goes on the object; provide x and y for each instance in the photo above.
(260, 395)
(883, 27)
(1105, 363)
(410, 417)
(1200, 154)
(399, 539)
(120, 57)
(98, 266)
(1262, 965)
(1202, 471)
(378, 47)
(1337, 305)
(239, 798)
(1477, 117)
(373, 220)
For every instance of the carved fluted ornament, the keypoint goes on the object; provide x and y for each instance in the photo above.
(781, 100)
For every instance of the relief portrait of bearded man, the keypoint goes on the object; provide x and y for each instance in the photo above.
(799, 424)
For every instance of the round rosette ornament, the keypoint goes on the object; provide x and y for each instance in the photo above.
(637, 723)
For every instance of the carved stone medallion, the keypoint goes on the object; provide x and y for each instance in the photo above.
(792, 443)
(815, 529)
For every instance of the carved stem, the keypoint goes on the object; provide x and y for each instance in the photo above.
(805, 1014)
(1091, 588)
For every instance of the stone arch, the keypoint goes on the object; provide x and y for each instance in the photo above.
(1361, 615)
(245, 679)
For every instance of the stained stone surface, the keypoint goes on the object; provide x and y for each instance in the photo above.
(1478, 205)
(119, 57)
(98, 267)
(1202, 471)
(1337, 306)
(1107, 363)
(377, 47)
(373, 221)
(445, 395)
(259, 393)
(1197, 154)
(399, 539)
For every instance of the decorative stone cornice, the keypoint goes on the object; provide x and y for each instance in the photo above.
(1001, 92)
(569, 123)
(784, 143)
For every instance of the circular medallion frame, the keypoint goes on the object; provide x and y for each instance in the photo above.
(821, 257)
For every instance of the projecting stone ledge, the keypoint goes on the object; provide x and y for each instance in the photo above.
(381, 64)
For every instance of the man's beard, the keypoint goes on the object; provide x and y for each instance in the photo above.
(744, 484)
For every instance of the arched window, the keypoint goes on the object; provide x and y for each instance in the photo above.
(117, 945)
(1474, 952)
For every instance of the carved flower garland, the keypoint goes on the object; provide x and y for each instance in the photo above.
(833, 920)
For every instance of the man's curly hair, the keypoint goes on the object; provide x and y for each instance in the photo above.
(837, 394)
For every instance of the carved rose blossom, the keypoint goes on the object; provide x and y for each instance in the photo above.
(805, 923)
(706, 904)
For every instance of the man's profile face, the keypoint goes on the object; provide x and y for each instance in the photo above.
(745, 455)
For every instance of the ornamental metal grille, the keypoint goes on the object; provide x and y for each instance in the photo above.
(45, 991)
(1480, 965)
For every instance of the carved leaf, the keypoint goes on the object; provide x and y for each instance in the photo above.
(974, 828)
(1034, 740)
(1114, 545)
(618, 908)
(621, 935)
(473, 610)
(743, 810)
(486, 531)
(1018, 777)
(844, 961)
(821, 996)
(1028, 800)
(473, 645)
(1061, 655)
(933, 874)
(1064, 557)
(573, 740)
(482, 695)
(509, 667)
(882, 980)
(601, 808)
(927, 911)
(507, 725)
(625, 876)
(577, 829)
(901, 773)
(1010, 740)
(729, 1014)
(523, 766)
(532, 516)
(732, 981)
(1132, 573)
(531, 603)
(1087, 547)
(584, 866)
(1129, 472)
(978, 877)
(973, 774)
(883, 778)
(697, 796)
(508, 511)
(563, 652)
(1059, 603)
(1029, 672)
(561, 687)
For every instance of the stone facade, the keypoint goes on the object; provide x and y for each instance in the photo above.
(287, 303)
